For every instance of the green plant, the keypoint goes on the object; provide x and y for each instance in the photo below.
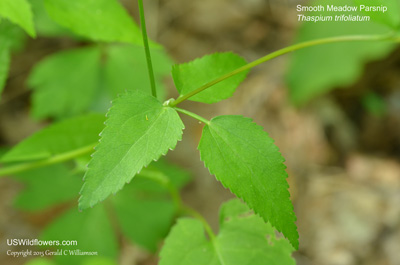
(140, 129)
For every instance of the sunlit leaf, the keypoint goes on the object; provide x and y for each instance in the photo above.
(244, 158)
(243, 239)
(192, 75)
(139, 129)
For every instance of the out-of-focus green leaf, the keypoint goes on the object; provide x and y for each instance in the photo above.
(11, 39)
(148, 203)
(374, 104)
(390, 18)
(91, 229)
(46, 187)
(317, 70)
(40, 261)
(126, 69)
(4, 65)
(99, 261)
(192, 75)
(58, 138)
(43, 23)
(243, 239)
(178, 177)
(144, 220)
(11, 36)
(139, 129)
(244, 158)
(65, 83)
(99, 20)
(20, 13)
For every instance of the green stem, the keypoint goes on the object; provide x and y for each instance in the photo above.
(193, 115)
(282, 52)
(11, 170)
(147, 49)
(198, 216)
(163, 180)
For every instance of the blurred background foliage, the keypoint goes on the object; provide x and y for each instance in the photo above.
(334, 111)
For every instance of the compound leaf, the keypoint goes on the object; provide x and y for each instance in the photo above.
(46, 187)
(192, 75)
(244, 158)
(126, 69)
(65, 83)
(99, 20)
(139, 129)
(91, 229)
(20, 13)
(58, 138)
(319, 69)
(243, 239)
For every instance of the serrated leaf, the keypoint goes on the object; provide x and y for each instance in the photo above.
(58, 138)
(319, 69)
(99, 20)
(20, 13)
(390, 18)
(244, 158)
(91, 229)
(65, 83)
(46, 187)
(126, 69)
(192, 75)
(139, 129)
(242, 240)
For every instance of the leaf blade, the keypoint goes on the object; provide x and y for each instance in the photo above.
(244, 159)
(142, 130)
(84, 227)
(390, 18)
(192, 75)
(58, 138)
(242, 240)
(4, 66)
(20, 13)
(100, 20)
(126, 69)
(47, 187)
(65, 83)
(332, 65)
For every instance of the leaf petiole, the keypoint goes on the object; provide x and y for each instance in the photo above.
(193, 115)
